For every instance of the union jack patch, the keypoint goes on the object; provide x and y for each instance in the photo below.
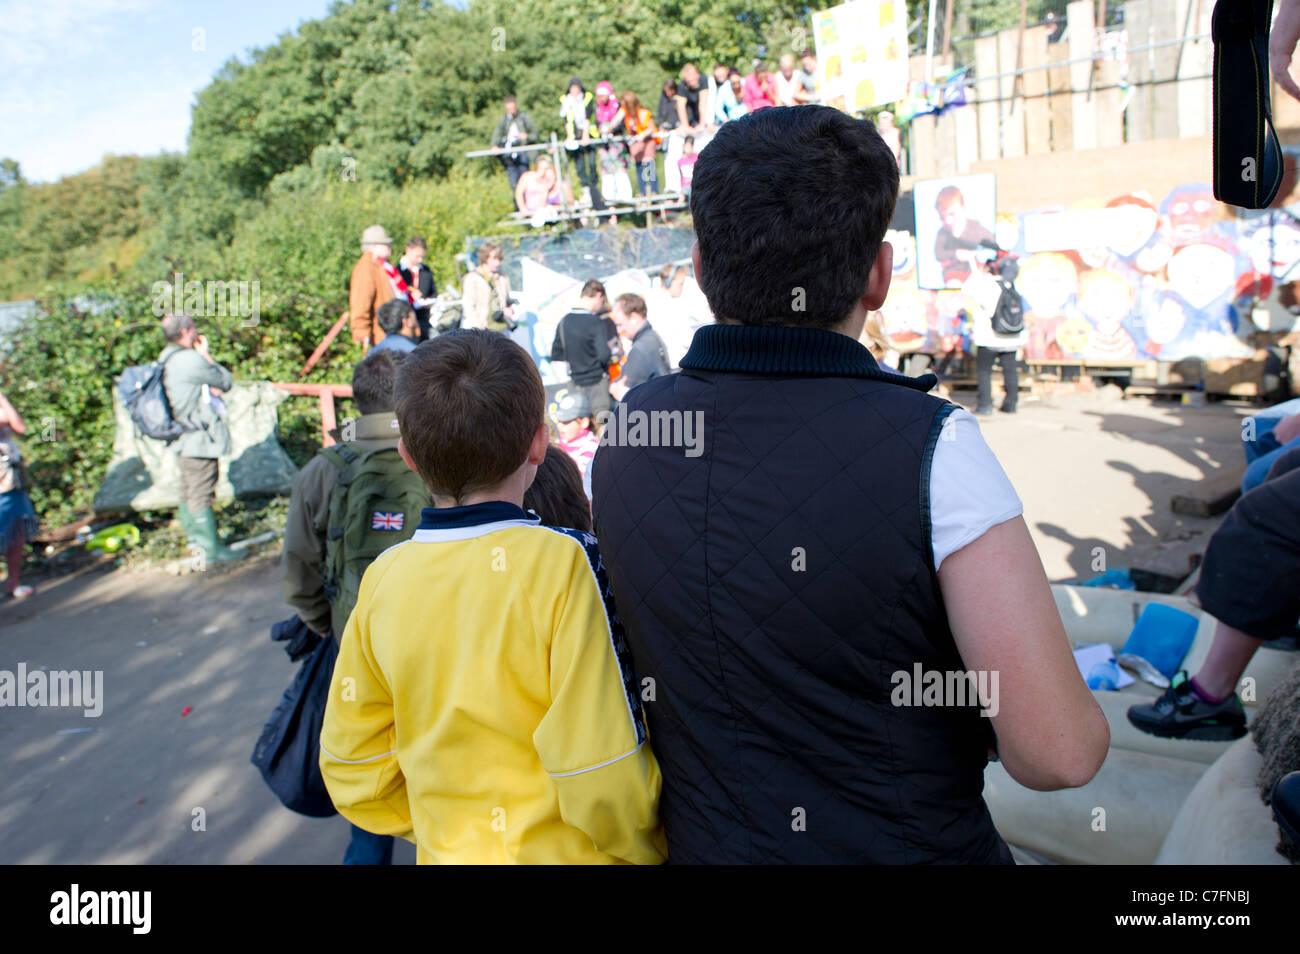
(382, 520)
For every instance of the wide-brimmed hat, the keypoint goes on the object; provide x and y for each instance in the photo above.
(375, 235)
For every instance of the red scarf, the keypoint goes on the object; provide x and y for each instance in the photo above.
(400, 288)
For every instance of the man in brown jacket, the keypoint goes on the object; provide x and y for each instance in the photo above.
(370, 286)
(309, 505)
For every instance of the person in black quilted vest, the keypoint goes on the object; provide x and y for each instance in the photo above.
(834, 605)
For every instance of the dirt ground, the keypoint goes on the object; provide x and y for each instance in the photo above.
(1092, 472)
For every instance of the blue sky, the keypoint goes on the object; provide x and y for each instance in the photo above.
(81, 78)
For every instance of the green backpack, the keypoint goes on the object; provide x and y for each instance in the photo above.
(376, 504)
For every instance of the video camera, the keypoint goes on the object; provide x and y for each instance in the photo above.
(500, 315)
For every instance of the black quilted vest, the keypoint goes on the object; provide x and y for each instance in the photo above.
(770, 587)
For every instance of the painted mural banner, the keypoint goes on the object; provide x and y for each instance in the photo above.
(861, 53)
(1129, 279)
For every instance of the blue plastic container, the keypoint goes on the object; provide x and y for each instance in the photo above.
(1161, 638)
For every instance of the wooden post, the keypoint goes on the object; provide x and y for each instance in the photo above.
(1083, 109)
(986, 96)
(1011, 106)
(1038, 120)
(947, 27)
(327, 421)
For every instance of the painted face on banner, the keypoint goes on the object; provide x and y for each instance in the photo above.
(904, 244)
(1135, 221)
(1274, 251)
(1073, 336)
(1202, 274)
(1191, 211)
(1166, 320)
(1106, 297)
(1006, 232)
(1047, 282)
(904, 319)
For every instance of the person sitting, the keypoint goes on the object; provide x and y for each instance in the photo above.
(540, 190)
(1265, 437)
(806, 92)
(401, 327)
(759, 90)
(787, 82)
(730, 102)
(1250, 584)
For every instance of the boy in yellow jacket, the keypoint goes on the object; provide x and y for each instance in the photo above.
(483, 704)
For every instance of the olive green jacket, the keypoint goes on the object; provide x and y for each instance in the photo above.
(305, 529)
(183, 380)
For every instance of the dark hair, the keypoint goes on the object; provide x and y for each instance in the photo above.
(671, 81)
(373, 379)
(468, 405)
(790, 205)
(632, 304)
(392, 313)
(417, 241)
(592, 287)
(556, 494)
(690, 139)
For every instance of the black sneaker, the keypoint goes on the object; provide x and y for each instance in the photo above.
(1286, 806)
(1182, 714)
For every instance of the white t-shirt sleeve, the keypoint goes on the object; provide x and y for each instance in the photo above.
(969, 490)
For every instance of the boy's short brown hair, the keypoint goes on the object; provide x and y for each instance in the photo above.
(468, 404)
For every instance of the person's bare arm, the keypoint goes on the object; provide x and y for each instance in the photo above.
(8, 415)
(1051, 732)
(1281, 45)
(1287, 429)
(520, 188)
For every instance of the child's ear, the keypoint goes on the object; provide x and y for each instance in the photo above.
(406, 456)
(537, 449)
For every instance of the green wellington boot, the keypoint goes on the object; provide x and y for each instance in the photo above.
(187, 522)
(205, 535)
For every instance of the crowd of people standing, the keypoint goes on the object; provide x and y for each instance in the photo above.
(613, 136)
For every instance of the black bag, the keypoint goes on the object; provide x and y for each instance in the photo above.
(288, 751)
(141, 387)
(1009, 314)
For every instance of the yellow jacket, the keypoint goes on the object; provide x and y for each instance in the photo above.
(484, 705)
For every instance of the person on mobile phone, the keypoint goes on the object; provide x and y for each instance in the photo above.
(194, 383)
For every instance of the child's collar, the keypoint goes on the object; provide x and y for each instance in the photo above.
(474, 515)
